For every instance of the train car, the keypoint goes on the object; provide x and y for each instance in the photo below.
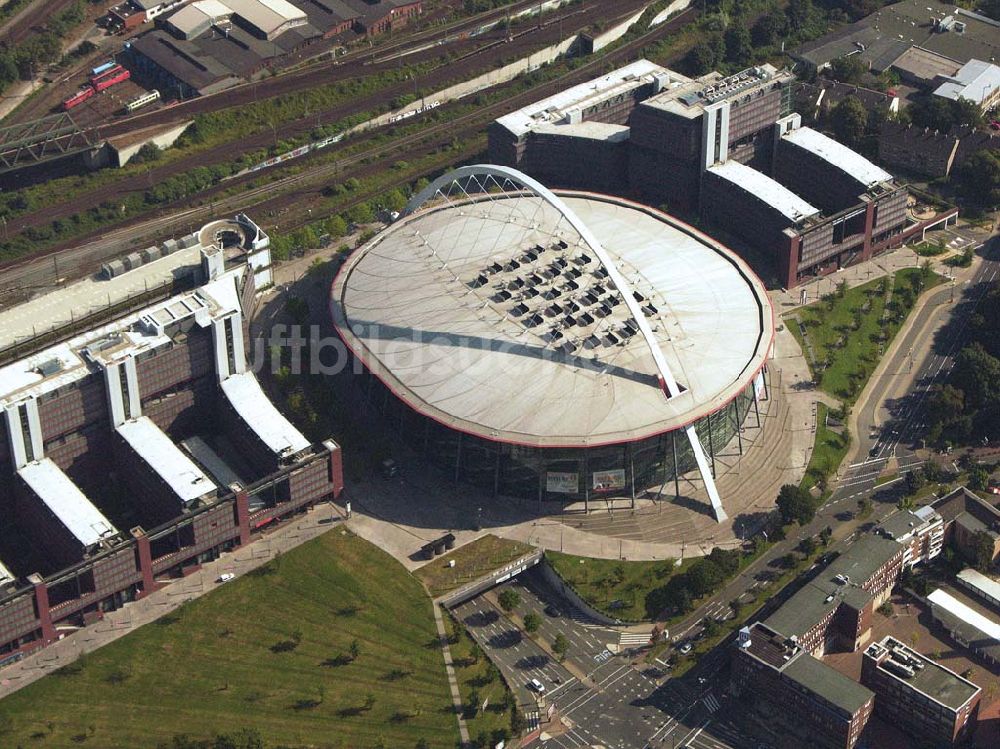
(109, 73)
(101, 68)
(106, 83)
(78, 98)
(141, 101)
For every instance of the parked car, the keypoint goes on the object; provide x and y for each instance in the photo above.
(553, 611)
(225, 577)
(684, 648)
(537, 686)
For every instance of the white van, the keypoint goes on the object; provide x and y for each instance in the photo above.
(536, 685)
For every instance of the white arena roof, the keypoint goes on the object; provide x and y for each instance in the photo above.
(542, 354)
(839, 155)
(770, 191)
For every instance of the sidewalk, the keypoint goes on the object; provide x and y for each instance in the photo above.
(116, 624)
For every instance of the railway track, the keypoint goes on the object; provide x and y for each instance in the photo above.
(485, 59)
(40, 272)
(30, 18)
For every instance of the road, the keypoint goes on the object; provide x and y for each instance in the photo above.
(918, 362)
(600, 698)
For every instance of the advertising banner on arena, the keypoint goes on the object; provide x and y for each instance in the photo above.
(562, 483)
(609, 481)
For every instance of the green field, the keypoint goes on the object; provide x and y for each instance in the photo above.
(828, 452)
(272, 651)
(844, 335)
(617, 588)
(479, 682)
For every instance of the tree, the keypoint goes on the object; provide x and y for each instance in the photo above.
(355, 650)
(560, 646)
(795, 505)
(532, 621)
(808, 546)
(826, 535)
(979, 479)
(739, 48)
(701, 58)
(978, 178)
(864, 507)
(914, 482)
(850, 69)
(982, 551)
(509, 599)
(849, 120)
(768, 28)
(335, 226)
(800, 13)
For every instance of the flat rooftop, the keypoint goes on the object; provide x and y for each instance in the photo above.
(767, 190)
(931, 679)
(144, 330)
(558, 108)
(601, 131)
(788, 658)
(244, 393)
(836, 154)
(963, 613)
(6, 576)
(544, 353)
(891, 30)
(828, 683)
(66, 502)
(159, 452)
(688, 98)
(820, 596)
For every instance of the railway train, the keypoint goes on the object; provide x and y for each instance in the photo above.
(101, 78)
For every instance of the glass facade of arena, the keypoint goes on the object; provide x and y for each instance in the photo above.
(554, 473)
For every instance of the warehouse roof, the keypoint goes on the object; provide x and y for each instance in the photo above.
(838, 155)
(963, 614)
(160, 453)
(64, 500)
(520, 338)
(267, 15)
(561, 107)
(198, 17)
(6, 576)
(245, 395)
(767, 190)
(976, 81)
(987, 587)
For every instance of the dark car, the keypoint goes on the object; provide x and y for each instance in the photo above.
(552, 611)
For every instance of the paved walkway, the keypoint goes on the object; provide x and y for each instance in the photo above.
(116, 624)
(456, 697)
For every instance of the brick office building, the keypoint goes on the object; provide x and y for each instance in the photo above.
(727, 147)
(93, 438)
(789, 688)
(919, 696)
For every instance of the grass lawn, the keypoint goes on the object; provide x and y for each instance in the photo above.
(829, 450)
(270, 651)
(603, 582)
(472, 561)
(847, 332)
(478, 678)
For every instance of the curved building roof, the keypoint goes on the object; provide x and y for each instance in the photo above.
(493, 316)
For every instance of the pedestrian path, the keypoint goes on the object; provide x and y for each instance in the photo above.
(633, 640)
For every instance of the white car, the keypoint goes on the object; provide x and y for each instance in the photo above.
(225, 577)
(685, 648)
(536, 685)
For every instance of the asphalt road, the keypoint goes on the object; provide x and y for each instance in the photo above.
(918, 364)
(600, 698)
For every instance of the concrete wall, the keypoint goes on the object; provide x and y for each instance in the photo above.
(162, 138)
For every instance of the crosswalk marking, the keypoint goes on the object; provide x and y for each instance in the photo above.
(632, 639)
(710, 702)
